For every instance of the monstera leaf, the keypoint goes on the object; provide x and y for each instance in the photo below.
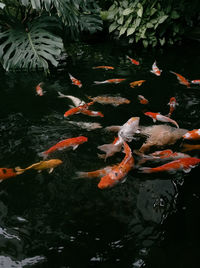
(31, 48)
(77, 14)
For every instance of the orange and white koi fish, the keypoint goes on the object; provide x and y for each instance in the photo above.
(78, 109)
(182, 80)
(155, 70)
(39, 89)
(165, 155)
(133, 61)
(76, 101)
(61, 145)
(172, 105)
(92, 113)
(110, 148)
(94, 174)
(75, 81)
(49, 164)
(190, 147)
(118, 172)
(136, 83)
(185, 164)
(110, 81)
(142, 99)
(6, 173)
(162, 118)
(196, 81)
(115, 101)
(192, 135)
(104, 67)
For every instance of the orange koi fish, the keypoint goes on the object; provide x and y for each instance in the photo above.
(185, 164)
(78, 109)
(49, 164)
(6, 173)
(104, 67)
(182, 80)
(160, 117)
(172, 105)
(92, 113)
(118, 172)
(39, 89)
(75, 81)
(155, 70)
(137, 83)
(110, 81)
(142, 99)
(190, 147)
(61, 145)
(133, 61)
(115, 101)
(196, 81)
(192, 135)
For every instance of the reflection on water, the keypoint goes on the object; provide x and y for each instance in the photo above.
(55, 220)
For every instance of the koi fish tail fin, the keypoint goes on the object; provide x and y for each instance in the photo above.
(110, 149)
(43, 155)
(99, 82)
(19, 170)
(102, 156)
(80, 174)
(90, 98)
(144, 170)
(61, 95)
(175, 123)
(172, 72)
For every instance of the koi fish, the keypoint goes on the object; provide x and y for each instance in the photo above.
(92, 113)
(39, 89)
(76, 101)
(110, 81)
(155, 70)
(160, 117)
(115, 101)
(61, 145)
(118, 172)
(137, 83)
(163, 155)
(86, 125)
(190, 147)
(94, 174)
(142, 99)
(185, 164)
(196, 81)
(104, 67)
(75, 81)
(172, 105)
(78, 109)
(192, 135)
(182, 80)
(110, 148)
(133, 61)
(49, 164)
(6, 173)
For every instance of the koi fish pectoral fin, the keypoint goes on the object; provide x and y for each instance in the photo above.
(187, 170)
(154, 120)
(75, 147)
(51, 170)
(19, 170)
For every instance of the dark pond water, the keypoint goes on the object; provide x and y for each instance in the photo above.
(56, 221)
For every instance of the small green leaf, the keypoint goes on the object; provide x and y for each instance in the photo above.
(162, 41)
(130, 31)
(145, 43)
(2, 5)
(140, 12)
(127, 11)
(113, 27)
(122, 31)
(120, 20)
(174, 14)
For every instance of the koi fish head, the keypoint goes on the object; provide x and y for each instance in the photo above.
(109, 180)
(129, 128)
(150, 114)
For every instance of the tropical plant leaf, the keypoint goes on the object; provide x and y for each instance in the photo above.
(32, 49)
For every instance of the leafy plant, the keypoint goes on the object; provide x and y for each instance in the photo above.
(150, 22)
(31, 30)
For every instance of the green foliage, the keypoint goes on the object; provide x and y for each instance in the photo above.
(30, 49)
(30, 32)
(151, 22)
